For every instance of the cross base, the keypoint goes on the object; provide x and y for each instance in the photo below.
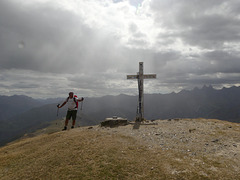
(139, 119)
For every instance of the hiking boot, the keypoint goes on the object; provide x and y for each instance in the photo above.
(65, 128)
(72, 127)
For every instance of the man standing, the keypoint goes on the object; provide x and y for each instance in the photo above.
(72, 109)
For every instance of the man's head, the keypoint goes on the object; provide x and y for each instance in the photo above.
(70, 94)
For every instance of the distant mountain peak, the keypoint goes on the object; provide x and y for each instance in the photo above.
(207, 87)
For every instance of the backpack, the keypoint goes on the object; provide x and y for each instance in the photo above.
(74, 98)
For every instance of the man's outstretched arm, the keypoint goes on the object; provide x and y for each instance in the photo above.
(80, 99)
(62, 104)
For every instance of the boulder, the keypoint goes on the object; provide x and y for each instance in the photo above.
(114, 122)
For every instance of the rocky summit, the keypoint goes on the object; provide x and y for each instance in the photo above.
(160, 149)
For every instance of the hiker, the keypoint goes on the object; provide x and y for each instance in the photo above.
(72, 102)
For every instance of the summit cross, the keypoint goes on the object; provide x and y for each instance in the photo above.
(140, 77)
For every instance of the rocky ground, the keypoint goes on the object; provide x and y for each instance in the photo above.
(194, 138)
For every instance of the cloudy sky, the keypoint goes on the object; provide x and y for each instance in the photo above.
(51, 47)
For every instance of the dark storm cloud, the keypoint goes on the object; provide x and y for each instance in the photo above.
(224, 62)
(53, 39)
(212, 31)
(208, 24)
(212, 27)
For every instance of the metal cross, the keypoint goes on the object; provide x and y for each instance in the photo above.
(140, 76)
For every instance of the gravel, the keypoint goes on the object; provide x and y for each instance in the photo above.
(192, 137)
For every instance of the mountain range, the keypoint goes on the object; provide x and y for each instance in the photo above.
(22, 114)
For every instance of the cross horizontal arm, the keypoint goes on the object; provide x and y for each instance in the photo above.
(132, 76)
(146, 76)
(149, 76)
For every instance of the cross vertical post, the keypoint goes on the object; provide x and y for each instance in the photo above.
(140, 77)
(140, 89)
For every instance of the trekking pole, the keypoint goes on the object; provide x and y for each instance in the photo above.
(82, 103)
(57, 109)
(80, 116)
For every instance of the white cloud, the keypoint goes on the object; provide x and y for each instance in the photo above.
(90, 46)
